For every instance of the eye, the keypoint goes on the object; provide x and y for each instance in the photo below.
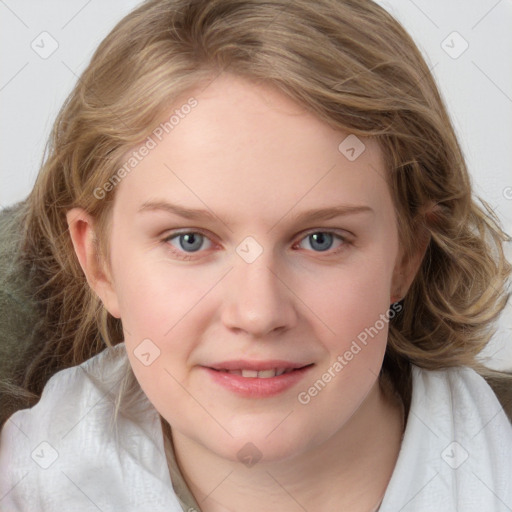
(321, 241)
(189, 241)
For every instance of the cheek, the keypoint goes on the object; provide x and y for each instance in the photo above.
(167, 303)
(151, 294)
(162, 315)
(349, 299)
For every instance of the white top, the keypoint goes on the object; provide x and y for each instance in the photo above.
(456, 454)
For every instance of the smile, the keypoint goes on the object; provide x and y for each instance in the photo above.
(251, 383)
(264, 374)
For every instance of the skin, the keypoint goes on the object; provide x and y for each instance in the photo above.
(256, 160)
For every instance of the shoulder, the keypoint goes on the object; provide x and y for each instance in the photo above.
(456, 445)
(463, 381)
(67, 397)
(466, 389)
(72, 448)
(457, 405)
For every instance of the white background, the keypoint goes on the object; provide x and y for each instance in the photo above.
(477, 88)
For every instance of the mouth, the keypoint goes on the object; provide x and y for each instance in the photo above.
(262, 374)
(257, 379)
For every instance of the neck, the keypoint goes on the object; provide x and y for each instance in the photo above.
(361, 455)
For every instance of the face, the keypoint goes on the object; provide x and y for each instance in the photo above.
(248, 234)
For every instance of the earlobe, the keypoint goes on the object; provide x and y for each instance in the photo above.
(83, 237)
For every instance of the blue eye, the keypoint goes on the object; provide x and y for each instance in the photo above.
(189, 242)
(321, 241)
(192, 245)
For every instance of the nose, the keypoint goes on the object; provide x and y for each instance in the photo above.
(257, 301)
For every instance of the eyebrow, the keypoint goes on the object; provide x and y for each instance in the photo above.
(309, 215)
(187, 213)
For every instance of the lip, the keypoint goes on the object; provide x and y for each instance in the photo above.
(255, 387)
(241, 364)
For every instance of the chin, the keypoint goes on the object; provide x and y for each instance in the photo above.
(262, 445)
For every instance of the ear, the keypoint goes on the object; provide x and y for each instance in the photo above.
(407, 267)
(81, 229)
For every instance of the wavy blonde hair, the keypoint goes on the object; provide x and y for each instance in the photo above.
(351, 64)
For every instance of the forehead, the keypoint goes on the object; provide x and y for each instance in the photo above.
(250, 148)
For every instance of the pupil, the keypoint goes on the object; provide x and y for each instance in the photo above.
(190, 241)
(321, 241)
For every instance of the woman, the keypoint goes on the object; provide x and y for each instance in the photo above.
(265, 213)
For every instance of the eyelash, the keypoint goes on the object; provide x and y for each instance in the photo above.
(187, 256)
